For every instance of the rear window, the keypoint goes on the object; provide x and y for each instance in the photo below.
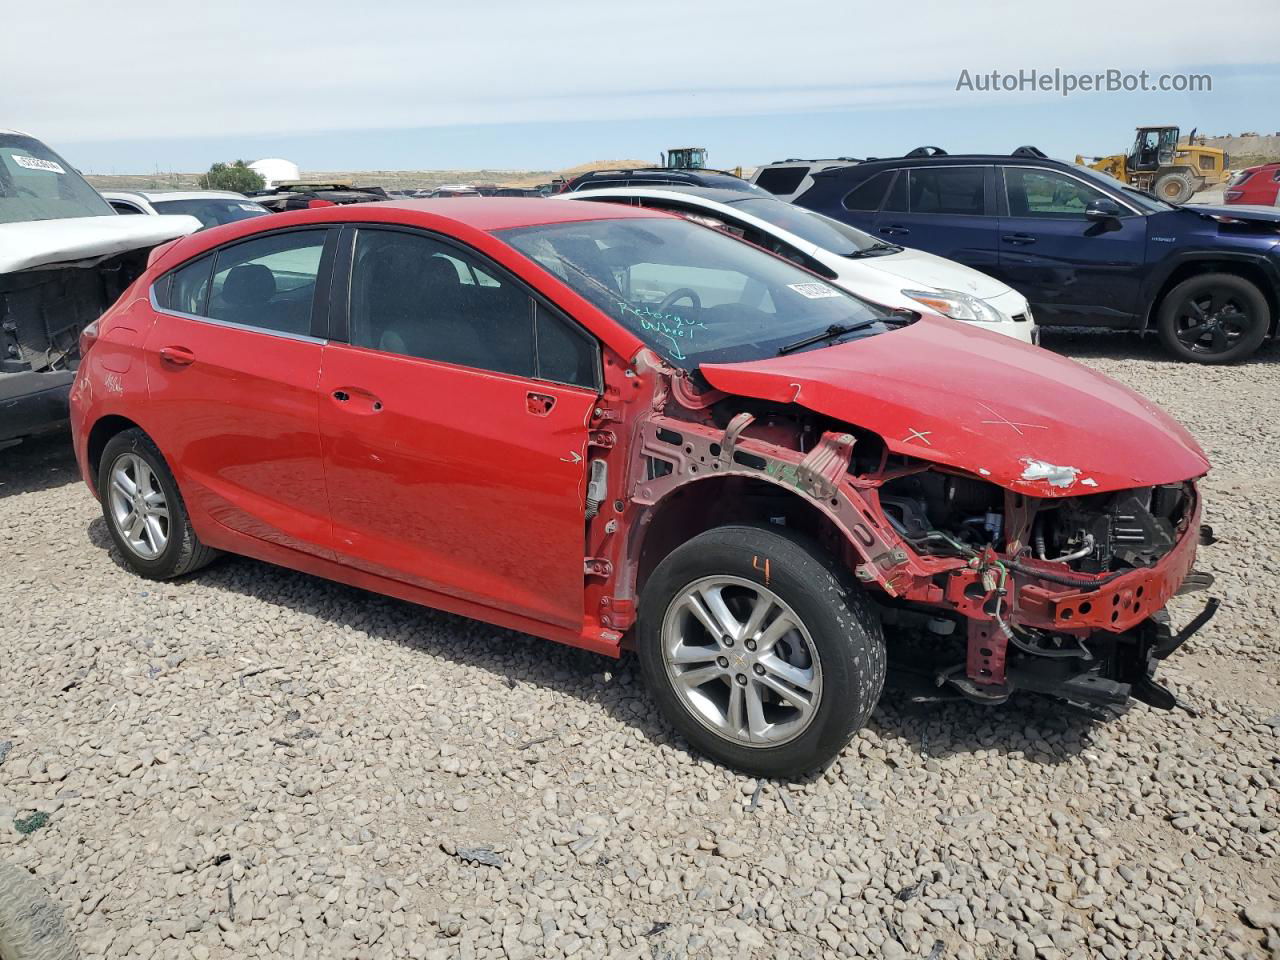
(781, 179)
(212, 211)
(37, 184)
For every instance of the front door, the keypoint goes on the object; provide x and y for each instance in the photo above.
(454, 425)
(1072, 269)
(232, 364)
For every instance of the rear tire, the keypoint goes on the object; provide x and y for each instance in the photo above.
(144, 511)
(32, 926)
(1213, 318)
(1174, 187)
(784, 691)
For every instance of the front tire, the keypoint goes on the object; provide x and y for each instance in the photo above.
(145, 514)
(1175, 188)
(760, 650)
(1214, 318)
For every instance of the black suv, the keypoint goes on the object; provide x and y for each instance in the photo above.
(1084, 249)
(657, 177)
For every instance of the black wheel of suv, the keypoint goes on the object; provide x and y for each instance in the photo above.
(144, 510)
(760, 650)
(1214, 318)
(1175, 187)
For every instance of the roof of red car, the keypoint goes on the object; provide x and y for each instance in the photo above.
(485, 214)
(499, 213)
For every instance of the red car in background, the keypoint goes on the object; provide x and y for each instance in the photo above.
(615, 428)
(1256, 186)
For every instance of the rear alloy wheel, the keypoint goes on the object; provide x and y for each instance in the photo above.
(760, 650)
(1214, 318)
(144, 510)
(1175, 187)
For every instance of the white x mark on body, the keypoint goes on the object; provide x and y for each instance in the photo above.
(1001, 419)
(914, 434)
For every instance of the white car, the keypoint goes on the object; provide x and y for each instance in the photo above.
(64, 258)
(896, 277)
(211, 207)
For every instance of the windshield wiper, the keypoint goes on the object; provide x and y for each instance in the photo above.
(833, 331)
(874, 251)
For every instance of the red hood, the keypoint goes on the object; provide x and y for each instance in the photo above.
(952, 393)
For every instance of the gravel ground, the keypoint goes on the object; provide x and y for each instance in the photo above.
(255, 763)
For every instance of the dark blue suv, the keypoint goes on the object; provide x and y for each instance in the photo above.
(1083, 248)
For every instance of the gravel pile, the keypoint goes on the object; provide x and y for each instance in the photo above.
(255, 763)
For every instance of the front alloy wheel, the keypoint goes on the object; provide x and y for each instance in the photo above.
(760, 649)
(742, 661)
(1214, 318)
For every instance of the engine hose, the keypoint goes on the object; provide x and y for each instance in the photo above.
(1062, 578)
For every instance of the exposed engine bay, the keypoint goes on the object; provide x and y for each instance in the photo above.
(43, 311)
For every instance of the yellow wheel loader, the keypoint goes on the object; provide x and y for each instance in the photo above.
(1164, 165)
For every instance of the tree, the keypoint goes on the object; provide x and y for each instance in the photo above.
(232, 176)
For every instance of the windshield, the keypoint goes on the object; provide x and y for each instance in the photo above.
(212, 211)
(694, 295)
(807, 225)
(37, 184)
(1143, 201)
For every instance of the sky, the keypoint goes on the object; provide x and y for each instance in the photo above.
(544, 84)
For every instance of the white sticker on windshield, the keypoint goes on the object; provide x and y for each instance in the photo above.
(247, 206)
(35, 163)
(814, 291)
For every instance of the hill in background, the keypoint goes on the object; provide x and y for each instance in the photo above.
(389, 179)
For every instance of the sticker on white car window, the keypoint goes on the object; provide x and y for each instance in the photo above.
(35, 163)
(814, 291)
(247, 206)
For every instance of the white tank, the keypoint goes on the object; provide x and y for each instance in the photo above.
(274, 170)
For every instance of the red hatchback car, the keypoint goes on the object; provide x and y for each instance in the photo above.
(615, 428)
(1256, 186)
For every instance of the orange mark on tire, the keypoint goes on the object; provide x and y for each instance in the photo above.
(755, 565)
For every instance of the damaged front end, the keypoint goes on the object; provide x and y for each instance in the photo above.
(1021, 576)
(42, 315)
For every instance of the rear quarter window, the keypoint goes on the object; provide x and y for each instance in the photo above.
(781, 179)
(867, 195)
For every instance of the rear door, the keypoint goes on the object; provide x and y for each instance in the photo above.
(232, 366)
(947, 210)
(454, 423)
(1072, 269)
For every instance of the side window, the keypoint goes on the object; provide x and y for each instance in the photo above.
(867, 195)
(189, 287)
(565, 353)
(1043, 193)
(897, 199)
(418, 297)
(119, 206)
(268, 282)
(949, 190)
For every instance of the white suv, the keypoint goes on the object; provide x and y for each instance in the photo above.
(787, 179)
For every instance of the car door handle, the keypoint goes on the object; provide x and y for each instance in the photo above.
(357, 400)
(1018, 239)
(895, 229)
(539, 404)
(178, 356)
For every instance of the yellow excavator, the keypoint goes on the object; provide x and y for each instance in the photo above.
(1163, 164)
